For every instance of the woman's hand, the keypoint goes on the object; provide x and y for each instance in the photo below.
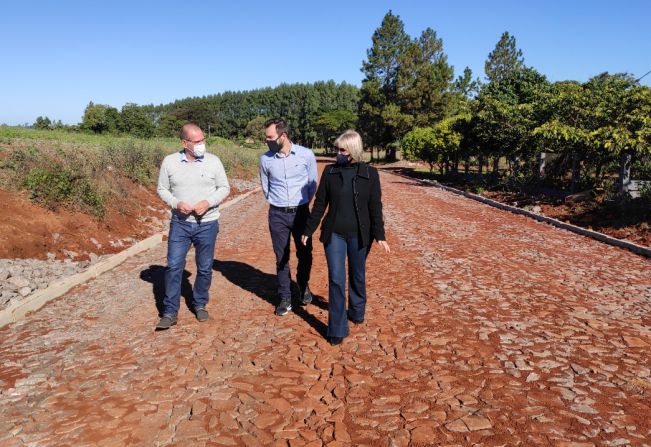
(384, 245)
(304, 239)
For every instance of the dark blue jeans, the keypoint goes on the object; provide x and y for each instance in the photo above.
(337, 250)
(283, 226)
(182, 234)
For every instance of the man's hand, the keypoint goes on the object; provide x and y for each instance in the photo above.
(184, 207)
(201, 207)
(304, 239)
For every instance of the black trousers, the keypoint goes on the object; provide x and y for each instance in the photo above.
(283, 226)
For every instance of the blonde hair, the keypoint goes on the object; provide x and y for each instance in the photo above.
(352, 142)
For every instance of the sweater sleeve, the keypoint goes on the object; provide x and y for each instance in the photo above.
(375, 207)
(222, 188)
(163, 189)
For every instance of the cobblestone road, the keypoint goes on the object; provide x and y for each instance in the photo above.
(483, 328)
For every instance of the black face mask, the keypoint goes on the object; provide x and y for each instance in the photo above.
(342, 159)
(273, 145)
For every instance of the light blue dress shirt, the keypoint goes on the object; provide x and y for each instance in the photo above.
(288, 180)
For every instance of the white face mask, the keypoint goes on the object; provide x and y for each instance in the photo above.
(199, 150)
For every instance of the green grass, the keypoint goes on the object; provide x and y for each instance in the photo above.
(81, 171)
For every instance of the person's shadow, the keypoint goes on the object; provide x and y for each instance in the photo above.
(263, 285)
(155, 274)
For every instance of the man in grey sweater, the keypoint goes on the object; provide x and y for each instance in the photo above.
(193, 183)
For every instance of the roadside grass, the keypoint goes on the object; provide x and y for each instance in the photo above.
(84, 172)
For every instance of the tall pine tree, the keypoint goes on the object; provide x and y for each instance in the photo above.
(504, 59)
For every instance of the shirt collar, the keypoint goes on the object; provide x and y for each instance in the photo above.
(291, 151)
(184, 157)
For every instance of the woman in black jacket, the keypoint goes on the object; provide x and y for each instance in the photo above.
(350, 189)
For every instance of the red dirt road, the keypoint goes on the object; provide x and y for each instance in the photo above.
(482, 328)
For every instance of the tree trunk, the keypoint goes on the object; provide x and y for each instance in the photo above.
(515, 165)
(542, 161)
(481, 165)
(624, 173)
(576, 172)
(496, 167)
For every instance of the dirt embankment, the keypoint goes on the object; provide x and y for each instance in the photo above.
(31, 231)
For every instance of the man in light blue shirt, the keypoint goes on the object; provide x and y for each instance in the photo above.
(289, 175)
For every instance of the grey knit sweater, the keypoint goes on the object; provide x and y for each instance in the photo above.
(181, 180)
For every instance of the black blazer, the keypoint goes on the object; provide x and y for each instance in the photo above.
(367, 196)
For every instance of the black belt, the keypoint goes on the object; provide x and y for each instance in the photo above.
(288, 209)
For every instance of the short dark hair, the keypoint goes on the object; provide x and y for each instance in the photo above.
(281, 125)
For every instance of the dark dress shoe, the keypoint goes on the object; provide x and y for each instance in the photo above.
(335, 340)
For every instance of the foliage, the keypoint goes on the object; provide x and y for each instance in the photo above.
(255, 129)
(55, 185)
(436, 144)
(64, 169)
(505, 59)
(234, 115)
(99, 118)
(331, 124)
(135, 121)
(407, 84)
(42, 123)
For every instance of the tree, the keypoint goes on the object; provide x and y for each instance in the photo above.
(379, 89)
(99, 118)
(424, 81)
(255, 128)
(504, 59)
(407, 83)
(42, 123)
(135, 121)
(507, 111)
(331, 124)
(436, 144)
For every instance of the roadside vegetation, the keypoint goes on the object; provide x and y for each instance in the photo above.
(513, 132)
(86, 172)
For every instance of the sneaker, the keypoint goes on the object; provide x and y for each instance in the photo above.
(306, 297)
(334, 341)
(166, 322)
(283, 308)
(202, 314)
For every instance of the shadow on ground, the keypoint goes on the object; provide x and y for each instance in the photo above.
(263, 285)
(155, 275)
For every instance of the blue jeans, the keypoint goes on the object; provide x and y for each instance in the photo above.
(182, 234)
(337, 250)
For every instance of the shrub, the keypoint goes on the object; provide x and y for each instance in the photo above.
(56, 186)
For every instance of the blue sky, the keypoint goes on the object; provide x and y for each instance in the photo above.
(56, 56)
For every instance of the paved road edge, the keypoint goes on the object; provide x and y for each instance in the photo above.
(601, 237)
(20, 309)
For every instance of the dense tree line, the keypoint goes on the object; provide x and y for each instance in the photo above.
(592, 130)
(316, 113)
(410, 99)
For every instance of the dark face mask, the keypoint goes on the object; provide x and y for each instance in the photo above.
(273, 145)
(342, 159)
